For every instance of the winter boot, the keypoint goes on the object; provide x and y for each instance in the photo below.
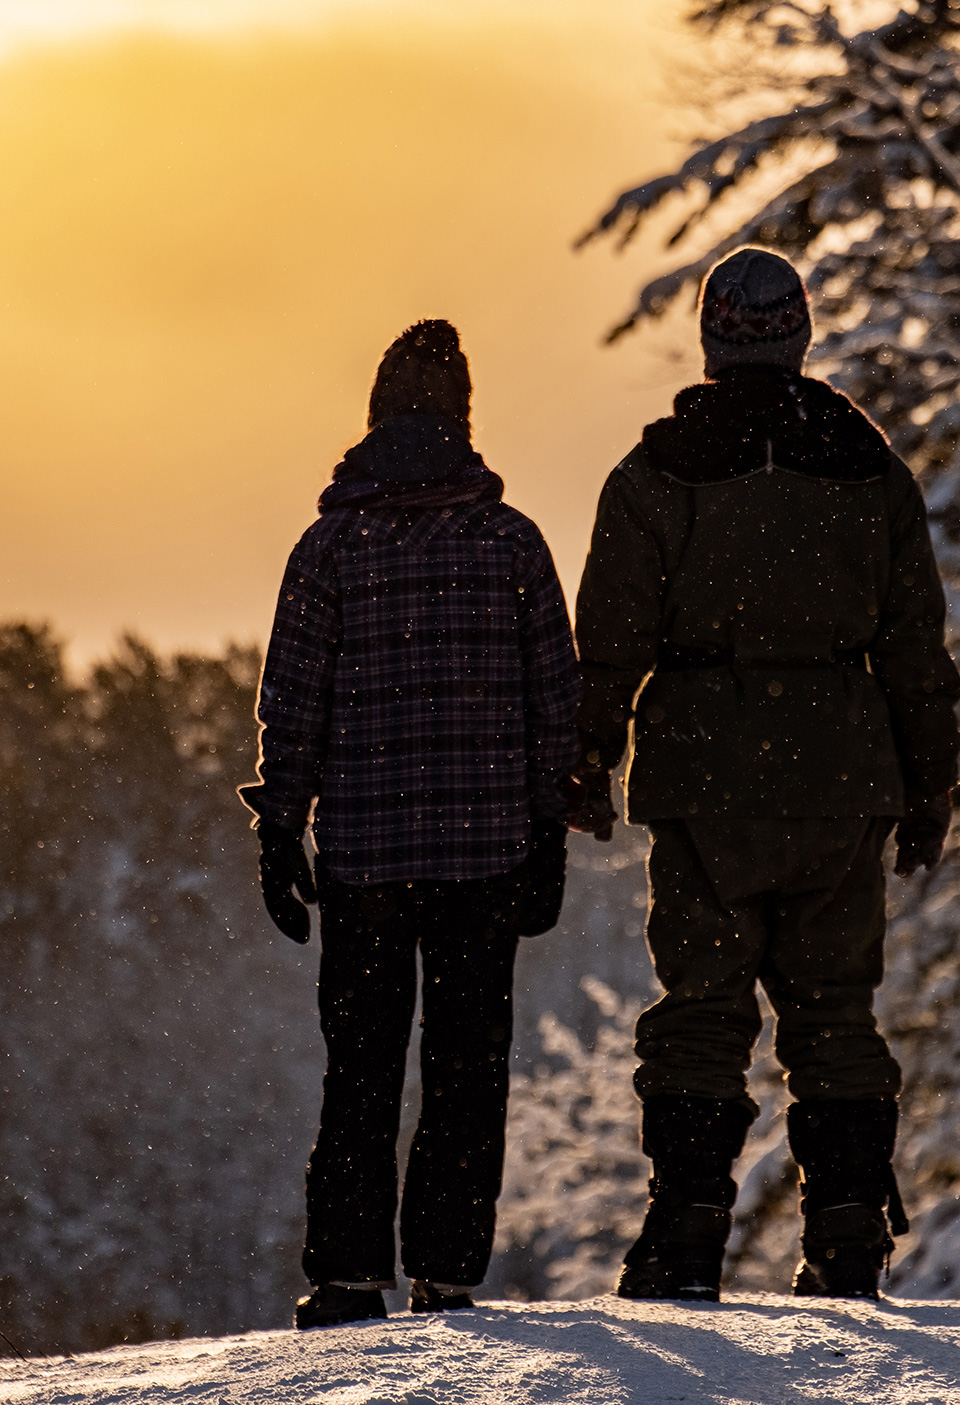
(843, 1148)
(693, 1143)
(330, 1304)
(433, 1297)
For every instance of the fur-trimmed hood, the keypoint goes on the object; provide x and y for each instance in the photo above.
(751, 418)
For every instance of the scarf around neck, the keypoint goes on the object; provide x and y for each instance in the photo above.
(413, 461)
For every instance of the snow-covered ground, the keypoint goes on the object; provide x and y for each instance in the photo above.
(752, 1350)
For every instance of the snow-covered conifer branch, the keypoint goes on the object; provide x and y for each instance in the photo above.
(657, 295)
(742, 149)
(872, 217)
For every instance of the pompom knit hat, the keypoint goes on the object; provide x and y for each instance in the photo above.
(754, 312)
(423, 372)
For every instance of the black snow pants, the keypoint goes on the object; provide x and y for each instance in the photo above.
(368, 983)
(797, 905)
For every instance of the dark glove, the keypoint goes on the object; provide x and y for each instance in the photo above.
(921, 832)
(283, 867)
(590, 807)
(540, 879)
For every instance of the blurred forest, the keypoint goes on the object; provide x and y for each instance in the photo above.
(161, 1061)
(160, 1056)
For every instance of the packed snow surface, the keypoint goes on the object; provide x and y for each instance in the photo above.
(751, 1350)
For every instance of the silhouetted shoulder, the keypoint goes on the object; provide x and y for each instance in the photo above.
(509, 523)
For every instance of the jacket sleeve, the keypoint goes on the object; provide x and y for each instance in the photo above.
(619, 618)
(293, 706)
(908, 654)
(551, 682)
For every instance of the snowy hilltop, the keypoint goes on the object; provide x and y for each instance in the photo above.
(751, 1351)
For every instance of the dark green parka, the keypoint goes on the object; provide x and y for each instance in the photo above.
(761, 613)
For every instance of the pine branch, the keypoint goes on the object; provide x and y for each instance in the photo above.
(941, 159)
(657, 295)
(745, 146)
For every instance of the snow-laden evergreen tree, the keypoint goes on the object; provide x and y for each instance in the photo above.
(849, 166)
(863, 129)
(573, 1190)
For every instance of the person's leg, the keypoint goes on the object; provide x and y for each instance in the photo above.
(824, 963)
(844, 1147)
(456, 1160)
(367, 995)
(692, 1144)
(695, 1045)
(696, 1041)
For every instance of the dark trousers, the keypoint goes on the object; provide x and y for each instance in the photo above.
(368, 980)
(796, 905)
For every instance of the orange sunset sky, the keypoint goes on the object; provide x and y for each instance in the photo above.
(216, 214)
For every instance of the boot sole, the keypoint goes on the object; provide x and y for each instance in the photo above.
(808, 1283)
(339, 1320)
(665, 1291)
(315, 1321)
(444, 1307)
(675, 1295)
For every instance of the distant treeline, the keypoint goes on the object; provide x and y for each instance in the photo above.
(159, 1067)
(160, 1059)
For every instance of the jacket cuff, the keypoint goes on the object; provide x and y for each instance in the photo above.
(257, 798)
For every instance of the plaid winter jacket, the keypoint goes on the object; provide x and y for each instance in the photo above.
(420, 688)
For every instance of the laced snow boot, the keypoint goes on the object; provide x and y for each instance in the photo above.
(434, 1297)
(329, 1305)
(693, 1143)
(843, 1148)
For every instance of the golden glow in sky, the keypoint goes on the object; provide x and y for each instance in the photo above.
(50, 19)
(214, 218)
(53, 19)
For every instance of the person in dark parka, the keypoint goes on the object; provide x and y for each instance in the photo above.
(418, 702)
(761, 614)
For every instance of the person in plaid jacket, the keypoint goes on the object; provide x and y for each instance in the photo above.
(418, 706)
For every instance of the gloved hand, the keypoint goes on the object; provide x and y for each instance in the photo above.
(283, 867)
(921, 832)
(540, 878)
(590, 807)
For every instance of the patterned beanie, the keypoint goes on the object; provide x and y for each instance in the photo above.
(754, 310)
